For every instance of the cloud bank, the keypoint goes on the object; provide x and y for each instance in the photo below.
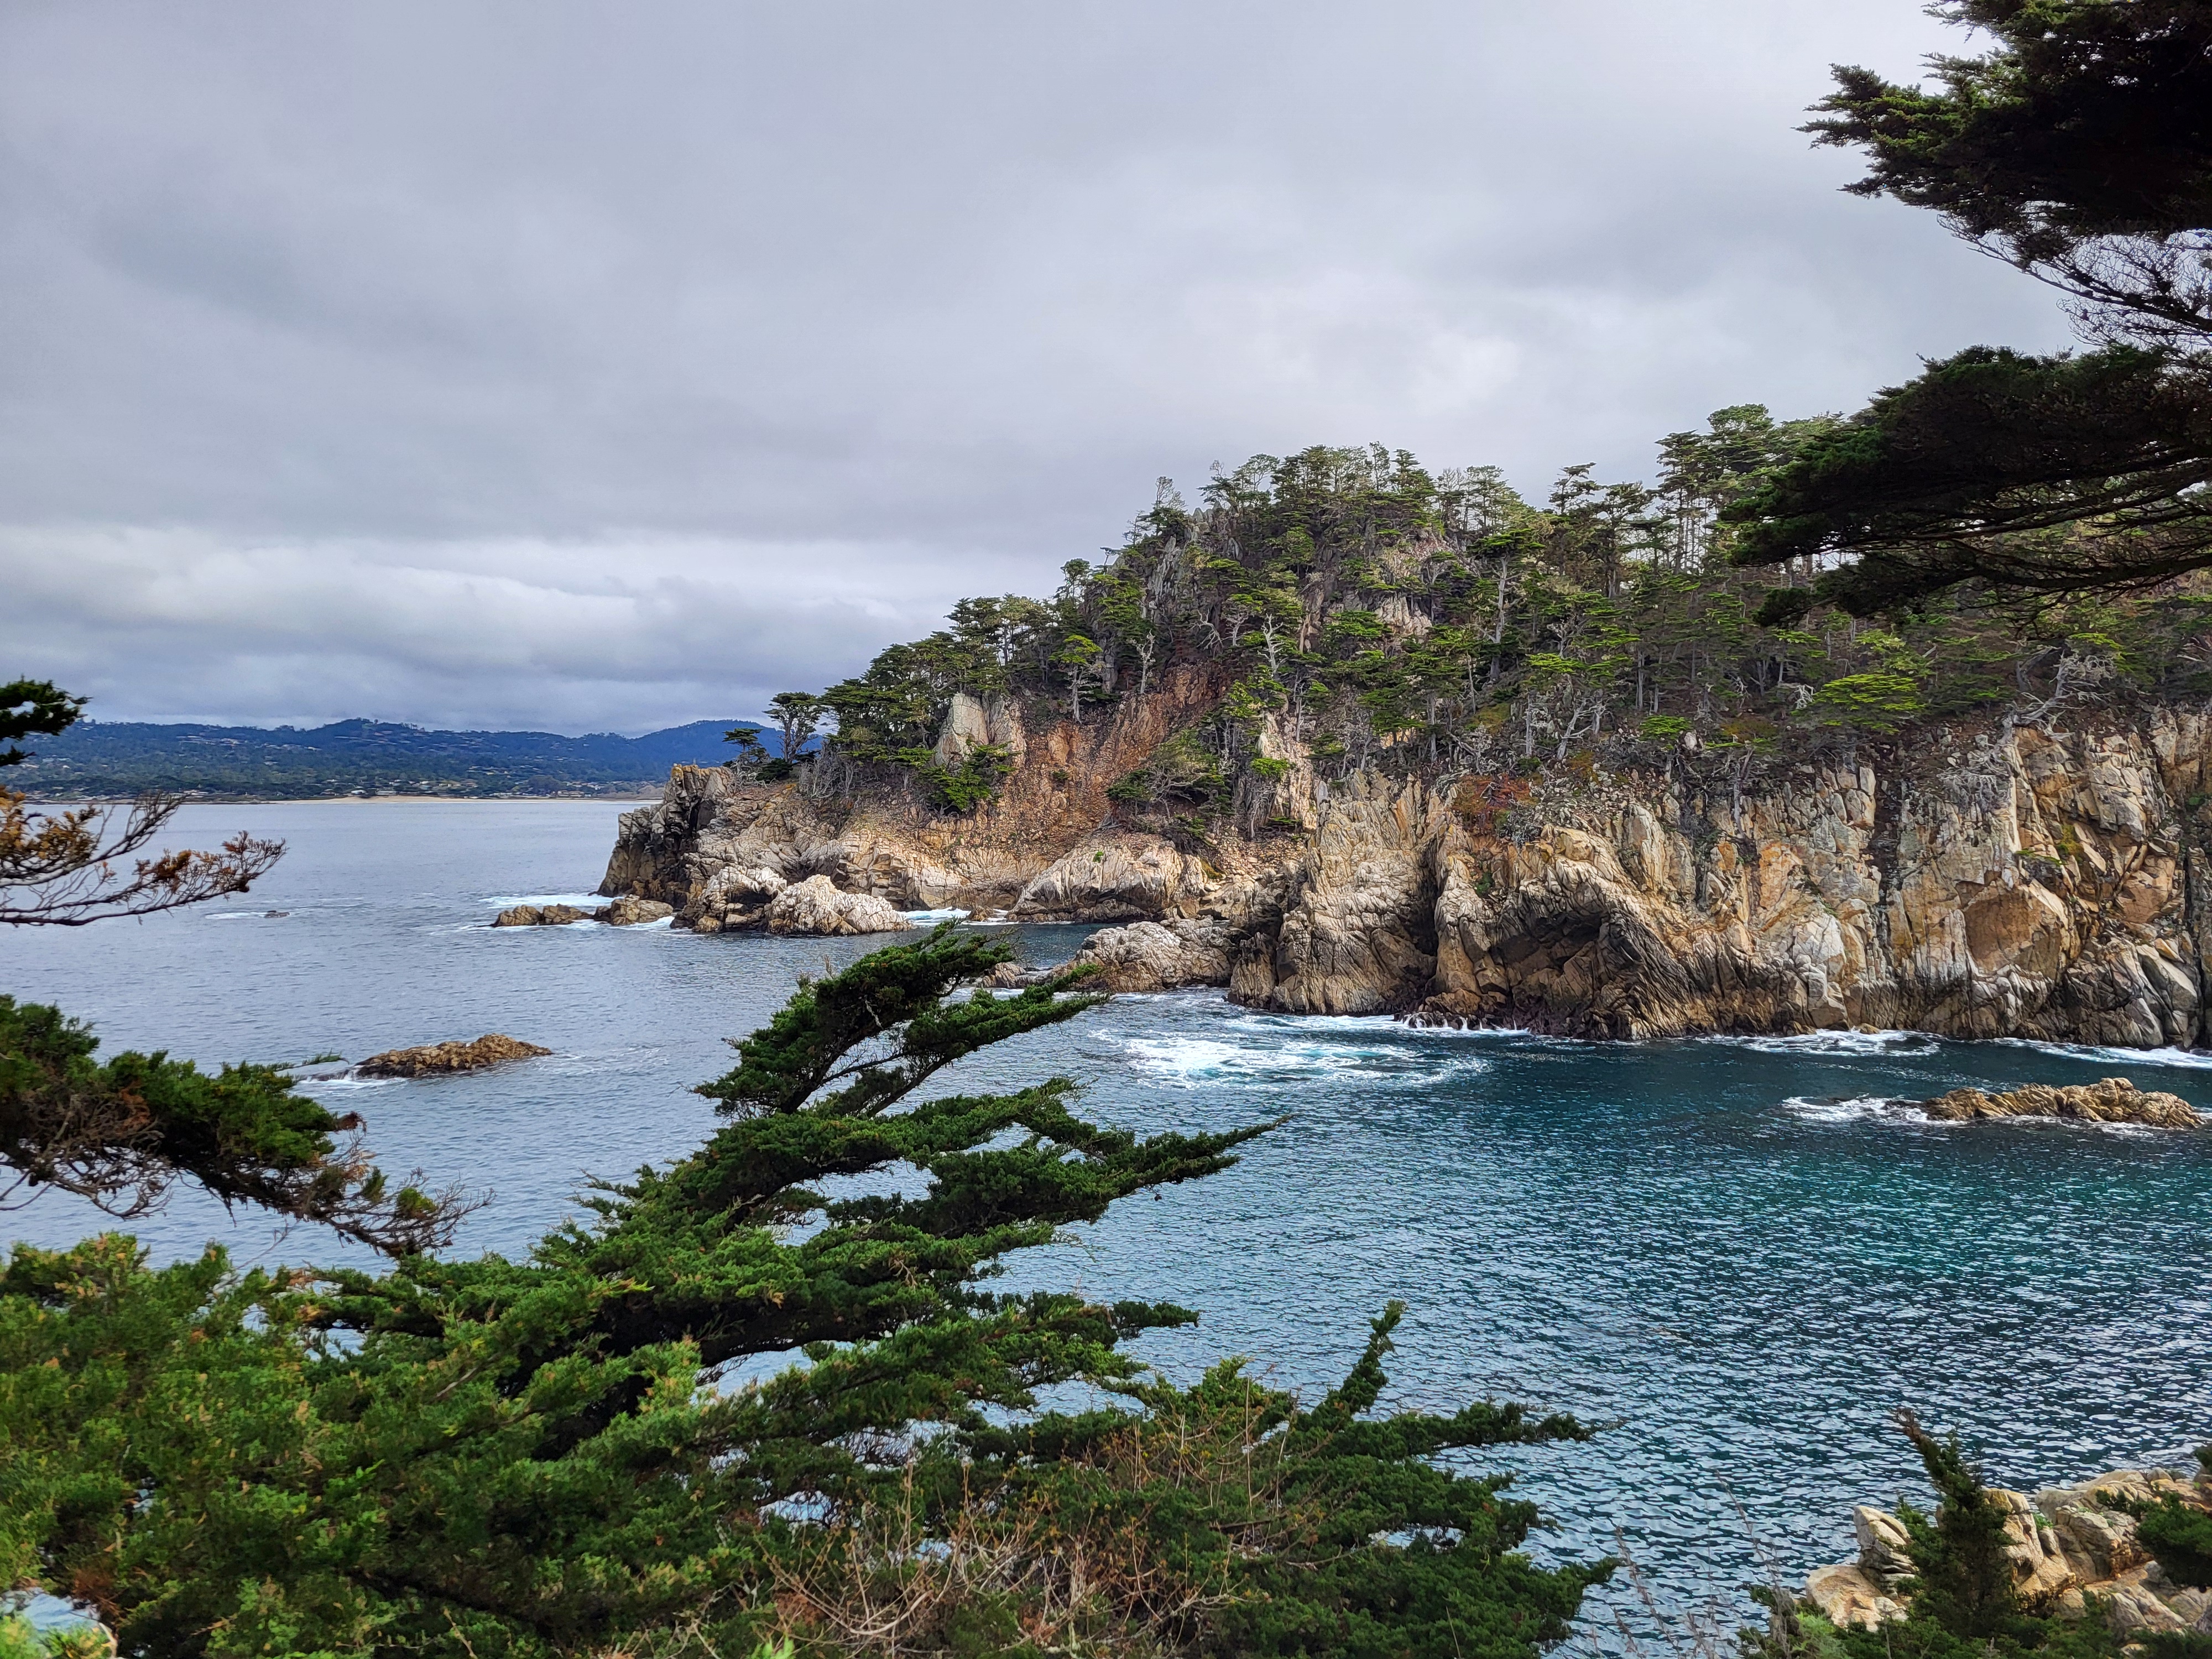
(589, 368)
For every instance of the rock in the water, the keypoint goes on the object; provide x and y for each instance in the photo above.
(1157, 956)
(632, 912)
(814, 906)
(437, 1059)
(535, 916)
(2108, 1100)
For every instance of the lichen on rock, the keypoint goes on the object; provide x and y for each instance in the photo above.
(441, 1059)
(2109, 1100)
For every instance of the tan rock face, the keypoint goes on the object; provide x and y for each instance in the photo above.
(439, 1059)
(1849, 1597)
(972, 721)
(2064, 1546)
(814, 906)
(1977, 882)
(1155, 956)
(2109, 1100)
(1358, 929)
(1117, 878)
(2032, 885)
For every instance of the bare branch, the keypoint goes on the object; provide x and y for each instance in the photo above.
(62, 868)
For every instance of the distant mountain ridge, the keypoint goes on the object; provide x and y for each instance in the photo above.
(105, 758)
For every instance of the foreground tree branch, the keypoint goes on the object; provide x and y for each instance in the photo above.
(121, 1133)
(62, 868)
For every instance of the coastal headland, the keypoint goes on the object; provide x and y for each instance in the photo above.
(1990, 879)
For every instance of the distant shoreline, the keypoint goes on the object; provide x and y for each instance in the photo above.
(348, 801)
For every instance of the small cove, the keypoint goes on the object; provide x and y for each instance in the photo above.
(1732, 1246)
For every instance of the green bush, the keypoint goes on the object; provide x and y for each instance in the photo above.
(2180, 1537)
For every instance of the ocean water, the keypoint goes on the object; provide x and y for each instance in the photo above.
(1732, 1251)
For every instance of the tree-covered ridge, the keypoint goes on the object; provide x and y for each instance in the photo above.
(100, 759)
(1362, 612)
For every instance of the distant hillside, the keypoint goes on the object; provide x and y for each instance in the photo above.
(98, 759)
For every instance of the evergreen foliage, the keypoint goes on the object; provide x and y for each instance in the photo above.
(1961, 1603)
(1353, 610)
(2180, 1538)
(2079, 150)
(34, 708)
(120, 1133)
(549, 1455)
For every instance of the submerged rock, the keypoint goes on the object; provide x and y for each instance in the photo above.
(815, 907)
(439, 1059)
(2108, 1100)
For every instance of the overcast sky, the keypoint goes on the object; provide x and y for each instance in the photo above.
(605, 367)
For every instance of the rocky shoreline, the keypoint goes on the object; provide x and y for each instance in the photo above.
(1997, 881)
(2067, 1547)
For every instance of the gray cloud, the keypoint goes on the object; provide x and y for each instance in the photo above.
(589, 367)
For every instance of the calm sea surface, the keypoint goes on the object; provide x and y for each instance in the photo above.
(1728, 1246)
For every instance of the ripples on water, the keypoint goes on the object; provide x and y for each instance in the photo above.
(1739, 1248)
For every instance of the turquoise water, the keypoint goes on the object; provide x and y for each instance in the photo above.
(1731, 1247)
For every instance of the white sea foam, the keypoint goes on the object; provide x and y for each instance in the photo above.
(1883, 1109)
(934, 915)
(1854, 1108)
(2198, 1059)
(1873, 1044)
(580, 901)
(1192, 1061)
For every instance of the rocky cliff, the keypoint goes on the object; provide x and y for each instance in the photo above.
(1972, 880)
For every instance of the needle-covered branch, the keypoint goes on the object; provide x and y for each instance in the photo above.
(883, 1027)
(547, 1457)
(121, 1132)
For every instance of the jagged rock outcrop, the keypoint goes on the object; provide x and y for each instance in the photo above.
(633, 912)
(622, 913)
(2021, 885)
(540, 915)
(814, 906)
(1981, 880)
(1357, 928)
(1117, 878)
(2064, 1546)
(1157, 956)
(441, 1059)
(2108, 1100)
